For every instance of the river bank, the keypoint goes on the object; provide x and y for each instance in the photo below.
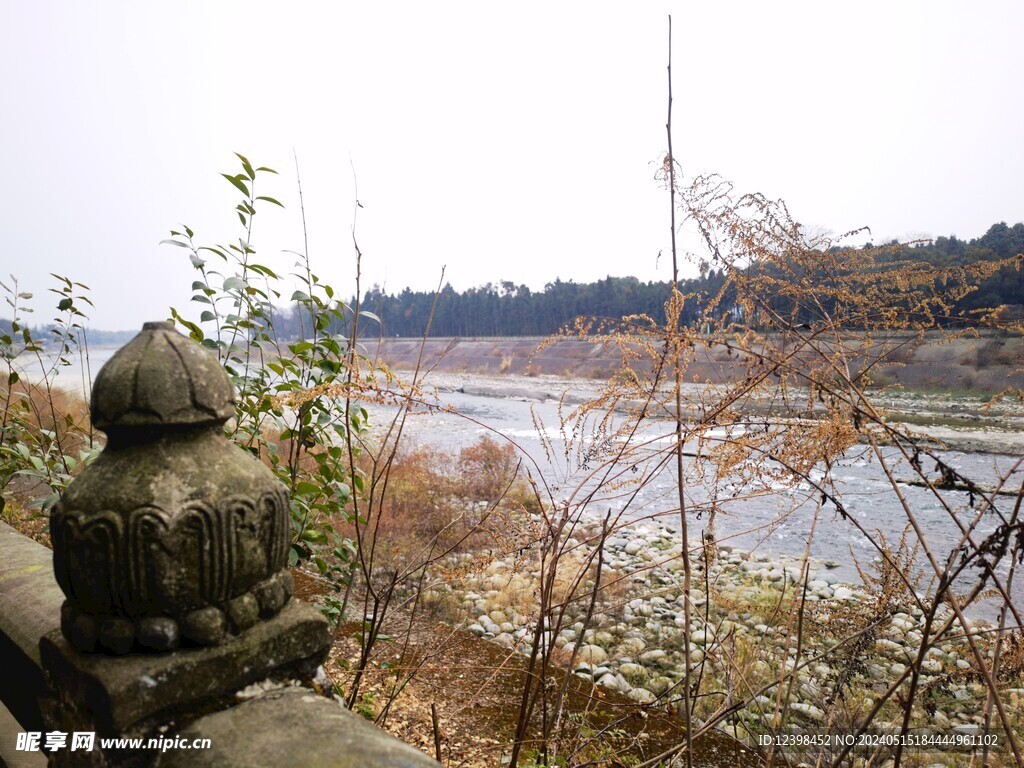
(979, 361)
(753, 620)
(950, 418)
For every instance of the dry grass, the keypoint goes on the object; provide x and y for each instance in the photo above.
(428, 503)
(28, 521)
(475, 686)
(47, 431)
(40, 409)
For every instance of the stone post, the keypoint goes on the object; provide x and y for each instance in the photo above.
(172, 552)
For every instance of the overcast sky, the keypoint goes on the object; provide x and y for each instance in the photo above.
(505, 141)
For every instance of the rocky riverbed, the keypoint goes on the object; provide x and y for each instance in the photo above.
(970, 423)
(747, 630)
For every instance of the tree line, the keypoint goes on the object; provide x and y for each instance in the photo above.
(507, 309)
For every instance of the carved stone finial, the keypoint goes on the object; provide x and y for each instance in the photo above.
(161, 379)
(173, 534)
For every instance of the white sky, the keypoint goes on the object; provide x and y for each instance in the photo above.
(506, 141)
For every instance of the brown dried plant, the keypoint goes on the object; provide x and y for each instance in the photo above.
(812, 322)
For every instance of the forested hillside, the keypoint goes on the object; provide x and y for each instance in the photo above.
(507, 309)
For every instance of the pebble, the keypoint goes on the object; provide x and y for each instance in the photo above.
(888, 646)
(656, 656)
(630, 646)
(808, 710)
(659, 685)
(594, 654)
(633, 645)
(703, 636)
(642, 695)
(614, 683)
(505, 640)
(635, 673)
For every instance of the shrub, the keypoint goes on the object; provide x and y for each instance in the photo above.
(45, 433)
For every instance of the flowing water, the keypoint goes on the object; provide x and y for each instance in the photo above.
(777, 520)
(774, 520)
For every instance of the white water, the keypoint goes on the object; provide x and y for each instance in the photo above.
(775, 521)
(771, 522)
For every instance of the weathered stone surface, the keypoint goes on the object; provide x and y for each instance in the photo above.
(158, 633)
(172, 535)
(171, 521)
(84, 630)
(205, 626)
(592, 654)
(10, 755)
(293, 727)
(119, 693)
(117, 635)
(30, 602)
(243, 611)
(161, 378)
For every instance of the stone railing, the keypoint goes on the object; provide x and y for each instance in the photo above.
(163, 617)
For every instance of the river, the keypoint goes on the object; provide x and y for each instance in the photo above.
(774, 520)
(778, 520)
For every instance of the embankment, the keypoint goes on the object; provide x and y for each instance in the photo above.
(986, 364)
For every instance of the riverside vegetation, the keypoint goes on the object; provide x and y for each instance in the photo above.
(508, 309)
(616, 618)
